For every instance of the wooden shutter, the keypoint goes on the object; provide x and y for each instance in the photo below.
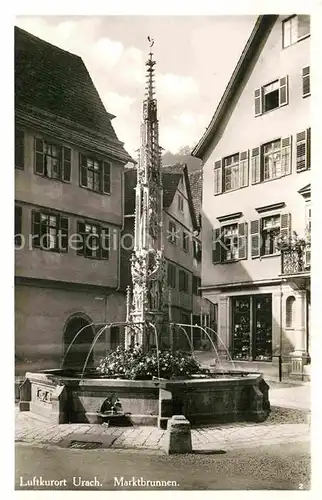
(308, 148)
(255, 238)
(216, 246)
(81, 238)
(307, 257)
(66, 164)
(106, 177)
(256, 166)
(82, 170)
(180, 280)
(64, 226)
(286, 156)
(35, 228)
(306, 81)
(258, 101)
(18, 225)
(19, 149)
(242, 240)
(283, 91)
(303, 150)
(285, 230)
(187, 282)
(243, 169)
(105, 239)
(39, 156)
(218, 181)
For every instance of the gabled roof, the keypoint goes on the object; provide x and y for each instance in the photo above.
(261, 29)
(53, 80)
(195, 180)
(171, 175)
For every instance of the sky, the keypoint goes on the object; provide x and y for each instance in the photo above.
(195, 58)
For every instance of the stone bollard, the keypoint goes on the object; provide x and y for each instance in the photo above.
(178, 435)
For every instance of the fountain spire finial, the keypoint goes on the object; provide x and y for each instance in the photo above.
(150, 89)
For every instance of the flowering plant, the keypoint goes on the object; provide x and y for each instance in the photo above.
(134, 364)
(294, 242)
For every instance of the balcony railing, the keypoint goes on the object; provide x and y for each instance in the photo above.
(296, 260)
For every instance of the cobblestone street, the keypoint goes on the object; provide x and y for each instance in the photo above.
(282, 426)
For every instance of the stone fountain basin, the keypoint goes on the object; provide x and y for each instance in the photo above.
(225, 398)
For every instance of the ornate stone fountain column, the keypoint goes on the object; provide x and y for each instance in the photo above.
(147, 263)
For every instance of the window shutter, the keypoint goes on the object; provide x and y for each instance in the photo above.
(180, 281)
(306, 81)
(283, 91)
(218, 177)
(286, 156)
(39, 156)
(80, 241)
(308, 148)
(243, 169)
(105, 235)
(255, 238)
(258, 101)
(82, 170)
(307, 257)
(242, 240)
(256, 166)
(285, 230)
(66, 164)
(106, 177)
(64, 226)
(19, 149)
(301, 151)
(18, 225)
(216, 246)
(35, 229)
(174, 276)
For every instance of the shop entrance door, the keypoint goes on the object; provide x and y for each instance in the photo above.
(252, 327)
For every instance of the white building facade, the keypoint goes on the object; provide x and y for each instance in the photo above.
(256, 212)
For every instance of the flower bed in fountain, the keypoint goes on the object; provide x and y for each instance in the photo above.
(135, 364)
(147, 389)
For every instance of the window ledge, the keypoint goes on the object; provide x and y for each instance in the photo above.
(228, 262)
(297, 41)
(306, 95)
(271, 180)
(270, 110)
(50, 178)
(92, 190)
(270, 255)
(232, 190)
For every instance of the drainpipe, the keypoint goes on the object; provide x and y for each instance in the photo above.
(170, 321)
(121, 229)
(117, 289)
